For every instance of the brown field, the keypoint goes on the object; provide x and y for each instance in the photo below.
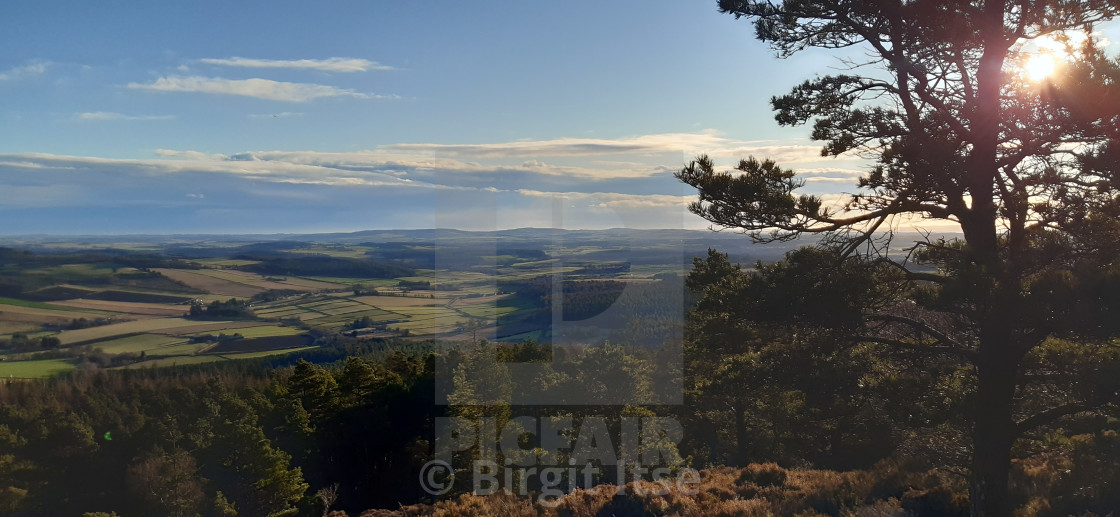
(149, 309)
(211, 284)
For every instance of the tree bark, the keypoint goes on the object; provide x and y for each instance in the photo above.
(741, 435)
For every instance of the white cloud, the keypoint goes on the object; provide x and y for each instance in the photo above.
(256, 87)
(23, 165)
(283, 114)
(334, 64)
(108, 115)
(31, 69)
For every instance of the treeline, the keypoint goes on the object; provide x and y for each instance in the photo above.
(214, 439)
(120, 258)
(211, 440)
(217, 309)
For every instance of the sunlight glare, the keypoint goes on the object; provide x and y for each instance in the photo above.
(1040, 66)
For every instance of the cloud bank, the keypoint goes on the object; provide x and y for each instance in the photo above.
(624, 182)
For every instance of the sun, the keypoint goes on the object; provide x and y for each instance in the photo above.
(1040, 66)
(1042, 58)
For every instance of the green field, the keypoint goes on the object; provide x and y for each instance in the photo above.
(136, 344)
(34, 369)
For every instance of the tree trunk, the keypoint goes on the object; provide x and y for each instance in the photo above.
(741, 435)
(994, 431)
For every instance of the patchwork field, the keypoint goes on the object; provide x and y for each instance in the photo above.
(147, 296)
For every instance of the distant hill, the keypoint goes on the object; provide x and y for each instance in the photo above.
(609, 244)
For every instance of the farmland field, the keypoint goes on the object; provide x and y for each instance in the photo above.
(202, 328)
(268, 331)
(211, 284)
(50, 286)
(136, 344)
(12, 327)
(393, 302)
(255, 280)
(14, 313)
(34, 369)
(150, 309)
(261, 344)
(71, 337)
(10, 302)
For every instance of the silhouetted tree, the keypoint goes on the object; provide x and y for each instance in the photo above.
(1027, 169)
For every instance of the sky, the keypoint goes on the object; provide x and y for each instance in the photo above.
(294, 117)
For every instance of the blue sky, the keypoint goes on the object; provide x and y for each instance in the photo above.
(234, 117)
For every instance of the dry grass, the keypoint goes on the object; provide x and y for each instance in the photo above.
(762, 490)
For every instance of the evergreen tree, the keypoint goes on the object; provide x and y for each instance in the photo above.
(958, 132)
